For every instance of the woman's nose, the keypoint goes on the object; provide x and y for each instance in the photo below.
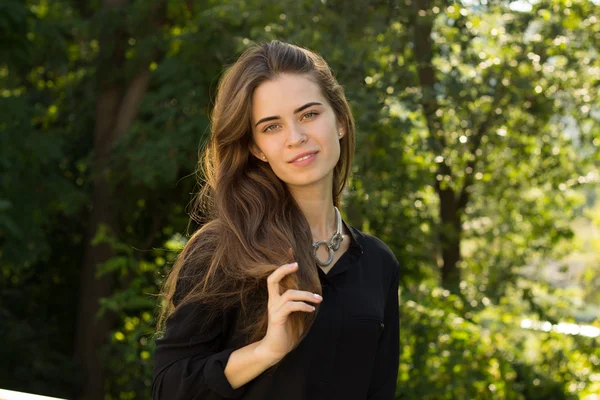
(296, 136)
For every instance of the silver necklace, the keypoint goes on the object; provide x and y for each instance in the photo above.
(333, 244)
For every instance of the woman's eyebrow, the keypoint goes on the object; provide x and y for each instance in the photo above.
(314, 103)
(296, 111)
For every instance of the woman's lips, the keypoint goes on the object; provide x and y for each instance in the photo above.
(305, 160)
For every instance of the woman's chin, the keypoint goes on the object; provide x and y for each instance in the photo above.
(309, 180)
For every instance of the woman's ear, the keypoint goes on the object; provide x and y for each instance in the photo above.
(341, 132)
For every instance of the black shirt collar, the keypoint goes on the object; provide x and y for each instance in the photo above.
(355, 246)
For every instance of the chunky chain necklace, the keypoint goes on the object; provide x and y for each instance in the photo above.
(333, 244)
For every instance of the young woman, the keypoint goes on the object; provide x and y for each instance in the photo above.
(276, 297)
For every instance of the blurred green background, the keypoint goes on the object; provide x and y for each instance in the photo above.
(477, 163)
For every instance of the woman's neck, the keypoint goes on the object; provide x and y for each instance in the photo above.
(317, 206)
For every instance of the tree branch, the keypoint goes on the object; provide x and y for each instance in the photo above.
(423, 26)
(131, 102)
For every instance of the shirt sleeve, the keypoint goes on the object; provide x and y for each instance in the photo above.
(387, 359)
(190, 359)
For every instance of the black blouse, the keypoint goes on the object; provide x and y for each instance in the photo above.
(350, 353)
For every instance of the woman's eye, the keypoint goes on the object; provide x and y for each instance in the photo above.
(310, 114)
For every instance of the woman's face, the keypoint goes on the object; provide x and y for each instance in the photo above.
(295, 130)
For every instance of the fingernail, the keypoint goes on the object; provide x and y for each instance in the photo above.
(293, 265)
(318, 296)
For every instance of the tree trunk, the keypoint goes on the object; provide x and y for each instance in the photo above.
(449, 237)
(450, 209)
(117, 104)
(92, 331)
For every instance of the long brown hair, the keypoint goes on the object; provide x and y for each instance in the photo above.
(252, 224)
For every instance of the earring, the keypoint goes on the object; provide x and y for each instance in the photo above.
(340, 133)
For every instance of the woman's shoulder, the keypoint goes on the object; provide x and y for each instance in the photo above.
(374, 247)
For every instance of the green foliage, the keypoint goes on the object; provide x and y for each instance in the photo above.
(511, 120)
(452, 350)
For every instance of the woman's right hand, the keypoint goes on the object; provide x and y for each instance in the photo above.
(279, 339)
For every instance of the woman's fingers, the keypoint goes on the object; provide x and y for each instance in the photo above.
(280, 306)
(276, 276)
(292, 306)
(292, 294)
(291, 301)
